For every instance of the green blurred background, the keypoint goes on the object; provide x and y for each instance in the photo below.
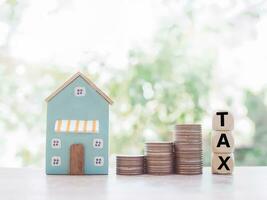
(163, 62)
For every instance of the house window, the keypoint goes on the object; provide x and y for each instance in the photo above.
(98, 143)
(99, 161)
(56, 143)
(79, 91)
(56, 161)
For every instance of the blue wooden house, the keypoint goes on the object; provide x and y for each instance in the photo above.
(77, 138)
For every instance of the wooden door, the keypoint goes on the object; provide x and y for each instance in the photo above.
(77, 159)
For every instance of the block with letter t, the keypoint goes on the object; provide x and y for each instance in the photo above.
(222, 120)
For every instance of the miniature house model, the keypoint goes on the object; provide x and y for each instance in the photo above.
(77, 128)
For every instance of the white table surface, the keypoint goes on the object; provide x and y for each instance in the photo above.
(29, 184)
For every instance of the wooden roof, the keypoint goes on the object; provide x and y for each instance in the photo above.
(74, 77)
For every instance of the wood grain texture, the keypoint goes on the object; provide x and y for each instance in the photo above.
(222, 142)
(32, 184)
(222, 121)
(71, 79)
(77, 159)
(222, 163)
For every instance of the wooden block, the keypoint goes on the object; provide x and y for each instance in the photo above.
(222, 120)
(222, 163)
(77, 159)
(222, 142)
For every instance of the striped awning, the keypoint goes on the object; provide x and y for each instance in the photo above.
(77, 126)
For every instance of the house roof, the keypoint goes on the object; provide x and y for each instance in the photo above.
(74, 77)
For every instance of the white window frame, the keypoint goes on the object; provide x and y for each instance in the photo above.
(59, 143)
(79, 88)
(95, 161)
(96, 140)
(59, 161)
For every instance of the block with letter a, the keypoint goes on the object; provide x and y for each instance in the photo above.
(222, 142)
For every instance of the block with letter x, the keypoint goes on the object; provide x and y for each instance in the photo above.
(222, 120)
(222, 163)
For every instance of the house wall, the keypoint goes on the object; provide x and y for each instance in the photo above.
(65, 105)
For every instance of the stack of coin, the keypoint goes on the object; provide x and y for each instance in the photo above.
(145, 165)
(130, 164)
(188, 149)
(159, 158)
